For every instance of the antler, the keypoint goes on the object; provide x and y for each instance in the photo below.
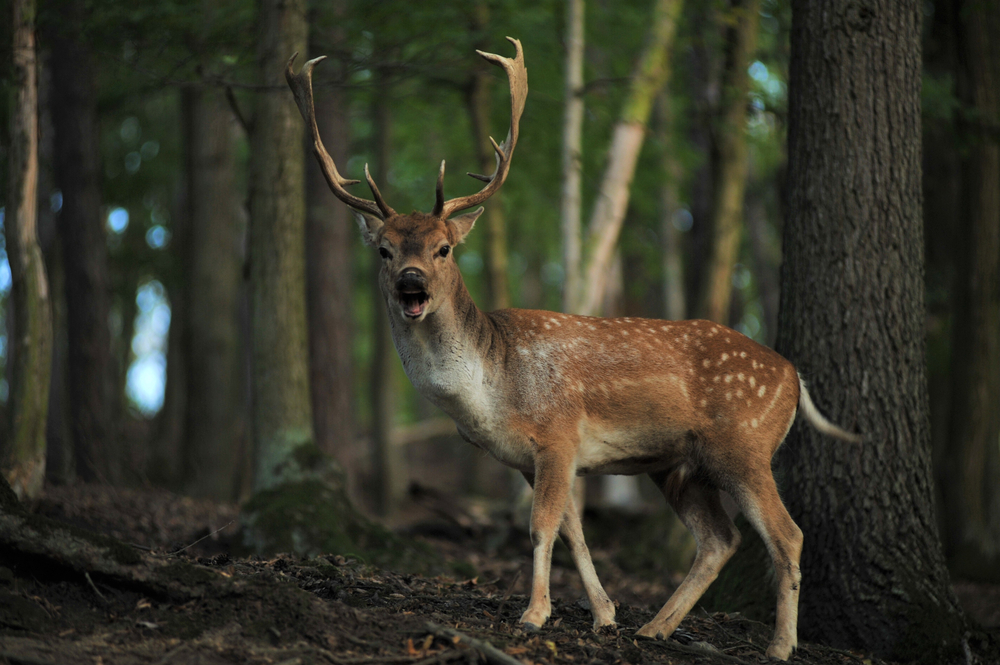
(301, 85)
(517, 75)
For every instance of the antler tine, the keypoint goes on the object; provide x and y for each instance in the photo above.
(517, 76)
(439, 192)
(301, 85)
(379, 201)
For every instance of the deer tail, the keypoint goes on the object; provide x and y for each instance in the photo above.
(818, 420)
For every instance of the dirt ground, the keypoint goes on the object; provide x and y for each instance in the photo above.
(339, 610)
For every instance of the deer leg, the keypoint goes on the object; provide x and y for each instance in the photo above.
(553, 479)
(759, 500)
(700, 509)
(571, 532)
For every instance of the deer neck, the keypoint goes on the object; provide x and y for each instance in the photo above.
(448, 355)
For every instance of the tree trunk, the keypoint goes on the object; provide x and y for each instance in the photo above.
(213, 276)
(85, 254)
(282, 417)
(674, 302)
(572, 151)
(608, 215)
(731, 165)
(22, 458)
(852, 321)
(389, 463)
(972, 489)
(330, 244)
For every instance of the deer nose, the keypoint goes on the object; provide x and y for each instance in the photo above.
(411, 279)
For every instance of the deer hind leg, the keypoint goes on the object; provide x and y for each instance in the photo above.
(571, 532)
(700, 509)
(759, 500)
(553, 478)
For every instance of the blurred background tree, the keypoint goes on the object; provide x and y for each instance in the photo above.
(153, 140)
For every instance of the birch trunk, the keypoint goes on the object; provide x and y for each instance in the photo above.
(608, 215)
(572, 154)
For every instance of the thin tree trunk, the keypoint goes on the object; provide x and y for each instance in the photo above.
(731, 171)
(282, 416)
(330, 244)
(23, 456)
(852, 321)
(572, 155)
(674, 302)
(608, 215)
(213, 277)
(389, 463)
(971, 491)
(85, 254)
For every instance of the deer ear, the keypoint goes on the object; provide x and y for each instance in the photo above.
(369, 224)
(464, 223)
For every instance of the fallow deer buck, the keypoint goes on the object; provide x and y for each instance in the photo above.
(698, 406)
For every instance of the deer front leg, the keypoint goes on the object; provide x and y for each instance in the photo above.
(554, 471)
(571, 531)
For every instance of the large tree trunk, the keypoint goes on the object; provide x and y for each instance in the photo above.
(731, 162)
(282, 417)
(330, 244)
(972, 488)
(85, 254)
(852, 321)
(213, 276)
(22, 458)
(652, 71)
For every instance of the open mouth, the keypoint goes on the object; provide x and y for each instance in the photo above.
(414, 303)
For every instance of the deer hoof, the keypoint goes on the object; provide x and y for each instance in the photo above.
(780, 651)
(529, 627)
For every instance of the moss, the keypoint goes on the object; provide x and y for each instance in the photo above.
(314, 516)
(464, 569)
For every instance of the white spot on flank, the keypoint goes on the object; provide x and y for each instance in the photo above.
(743, 354)
(716, 378)
(725, 357)
(739, 392)
(729, 395)
(591, 327)
(548, 327)
(753, 382)
(755, 364)
(704, 402)
(760, 393)
(625, 333)
(740, 376)
(706, 362)
(754, 423)
(729, 378)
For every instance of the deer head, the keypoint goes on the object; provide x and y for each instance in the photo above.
(418, 272)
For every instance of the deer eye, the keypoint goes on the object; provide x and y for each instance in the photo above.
(384, 252)
(443, 252)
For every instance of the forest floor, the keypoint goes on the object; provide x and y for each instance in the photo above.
(338, 610)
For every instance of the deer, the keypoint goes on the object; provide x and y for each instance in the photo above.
(697, 406)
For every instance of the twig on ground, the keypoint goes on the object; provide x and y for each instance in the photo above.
(96, 590)
(203, 538)
(692, 650)
(741, 640)
(506, 595)
(490, 653)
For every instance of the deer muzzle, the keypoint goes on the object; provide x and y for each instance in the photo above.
(411, 287)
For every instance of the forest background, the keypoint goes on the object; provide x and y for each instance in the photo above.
(154, 149)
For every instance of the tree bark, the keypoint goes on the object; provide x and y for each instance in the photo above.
(214, 273)
(731, 164)
(852, 321)
(572, 151)
(330, 244)
(971, 489)
(85, 255)
(282, 416)
(23, 456)
(652, 71)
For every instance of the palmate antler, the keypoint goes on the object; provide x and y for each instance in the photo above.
(517, 75)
